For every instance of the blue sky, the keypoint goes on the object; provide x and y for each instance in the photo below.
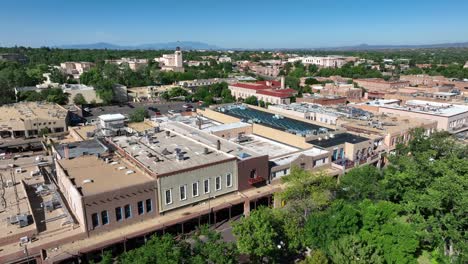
(233, 24)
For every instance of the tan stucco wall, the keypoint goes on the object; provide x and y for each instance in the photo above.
(220, 117)
(281, 136)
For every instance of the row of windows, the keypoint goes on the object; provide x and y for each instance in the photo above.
(195, 189)
(121, 213)
(45, 123)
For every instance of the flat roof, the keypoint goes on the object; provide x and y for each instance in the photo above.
(379, 102)
(80, 148)
(338, 139)
(31, 110)
(203, 137)
(269, 119)
(227, 126)
(93, 175)
(287, 159)
(386, 123)
(158, 152)
(432, 108)
(112, 117)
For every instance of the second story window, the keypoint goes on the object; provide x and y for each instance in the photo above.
(149, 205)
(141, 209)
(229, 180)
(95, 220)
(118, 213)
(105, 217)
(195, 189)
(168, 196)
(183, 192)
(206, 186)
(218, 183)
(128, 211)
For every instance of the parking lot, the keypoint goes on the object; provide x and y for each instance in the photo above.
(127, 109)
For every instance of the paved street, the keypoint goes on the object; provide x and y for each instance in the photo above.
(128, 108)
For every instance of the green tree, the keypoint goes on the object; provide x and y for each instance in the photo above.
(251, 100)
(317, 257)
(361, 183)
(79, 99)
(260, 235)
(57, 76)
(158, 249)
(55, 95)
(139, 115)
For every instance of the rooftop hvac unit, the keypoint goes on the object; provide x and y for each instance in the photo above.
(121, 168)
(9, 183)
(180, 157)
(129, 172)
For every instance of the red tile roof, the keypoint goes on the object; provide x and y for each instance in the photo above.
(282, 93)
(262, 87)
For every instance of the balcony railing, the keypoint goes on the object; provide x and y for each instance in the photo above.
(256, 180)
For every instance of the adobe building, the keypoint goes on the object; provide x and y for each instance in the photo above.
(450, 117)
(27, 119)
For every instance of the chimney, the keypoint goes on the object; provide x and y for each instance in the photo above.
(180, 157)
(205, 151)
(168, 133)
(268, 83)
(282, 82)
(218, 145)
(66, 151)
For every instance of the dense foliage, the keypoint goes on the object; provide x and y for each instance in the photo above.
(413, 210)
(204, 246)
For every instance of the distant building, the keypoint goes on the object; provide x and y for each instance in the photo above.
(192, 84)
(75, 69)
(322, 99)
(27, 119)
(120, 93)
(344, 90)
(88, 92)
(466, 65)
(377, 84)
(111, 124)
(224, 59)
(268, 70)
(16, 57)
(450, 117)
(198, 63)
(325, 62)
(273, 92)
(133, 63)
(172, 62)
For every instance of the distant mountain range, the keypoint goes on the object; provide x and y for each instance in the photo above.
(384, 47)
(194, 45)
(185, 45)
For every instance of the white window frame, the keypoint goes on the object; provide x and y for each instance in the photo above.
(198, 191)
(122, 217)
(108, 219)
(185, 192)
(98, 220)
(151, 204)
(204, 189)
(131, 214)
(229, 182)
(143, 205)
(218, 178)
(170, 196)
